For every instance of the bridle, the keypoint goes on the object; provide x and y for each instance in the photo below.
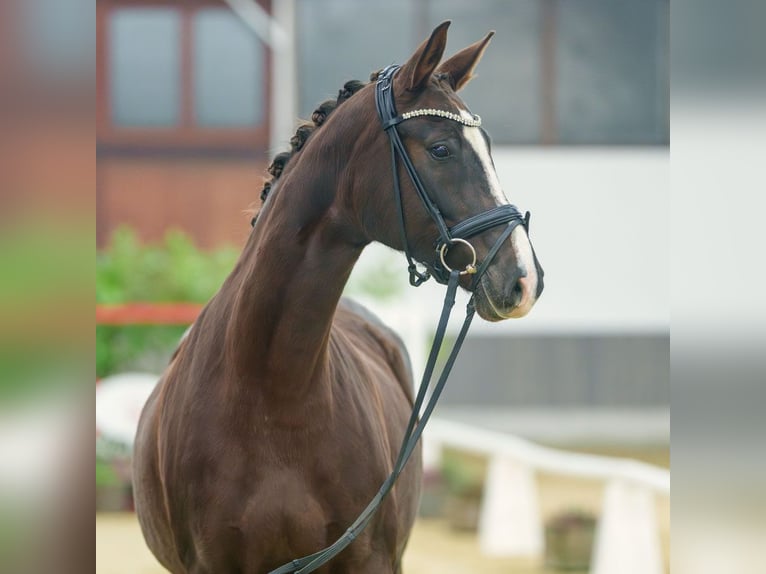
(507, 215)
(460, 233)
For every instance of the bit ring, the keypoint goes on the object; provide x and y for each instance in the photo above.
(470, 269)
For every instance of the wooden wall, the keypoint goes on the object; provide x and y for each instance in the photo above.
(188, 175)
(205, 198)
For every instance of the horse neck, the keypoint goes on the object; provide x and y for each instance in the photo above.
(288, 282)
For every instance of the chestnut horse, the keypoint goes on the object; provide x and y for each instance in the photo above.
(282, 410)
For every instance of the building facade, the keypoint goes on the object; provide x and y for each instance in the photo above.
(182, 120)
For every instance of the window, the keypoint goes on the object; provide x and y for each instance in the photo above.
(145, 64)
(228, 71)
(341, 40)
(507, 94)
(562, 72)
(611, 72)
(188, 74)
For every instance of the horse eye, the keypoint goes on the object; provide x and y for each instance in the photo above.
(440, 151)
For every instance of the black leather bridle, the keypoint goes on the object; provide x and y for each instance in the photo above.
(507, 215)
(503, 214)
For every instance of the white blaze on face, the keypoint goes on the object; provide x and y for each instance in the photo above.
(474, 137)
(521, 247)
(526, 261)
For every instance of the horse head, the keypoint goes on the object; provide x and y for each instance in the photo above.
(450, 153)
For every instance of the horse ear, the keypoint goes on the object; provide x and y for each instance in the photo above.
(418, 69)
(459, 67)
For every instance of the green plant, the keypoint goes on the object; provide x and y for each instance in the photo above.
(381, 280)
(464, 479)
(569, 539)
(463, 474)
(171, 271)
(176, 271)
(105, 474)
(46, 275)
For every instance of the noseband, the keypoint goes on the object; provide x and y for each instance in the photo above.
(506, 215)
(448, 236)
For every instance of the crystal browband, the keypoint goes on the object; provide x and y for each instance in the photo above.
(474, 122)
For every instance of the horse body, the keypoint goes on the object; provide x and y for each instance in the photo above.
(283, 409)
(282, 412)
(252, 490)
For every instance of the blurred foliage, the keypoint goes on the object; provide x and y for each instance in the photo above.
(571, 518)
(144, 348)
(463, 473)
(171, 271)
(105, 474)
(45, 290)
(176, 271)
(33, 253)
(569, 539)
(380, 278)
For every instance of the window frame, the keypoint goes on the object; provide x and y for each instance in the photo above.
(187, 134)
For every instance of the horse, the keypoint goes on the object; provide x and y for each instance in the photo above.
(281, 411)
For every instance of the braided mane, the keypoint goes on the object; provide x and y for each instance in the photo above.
(304, 131)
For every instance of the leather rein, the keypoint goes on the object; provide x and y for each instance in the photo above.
(507, 215)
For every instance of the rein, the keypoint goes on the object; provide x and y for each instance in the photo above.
(507, 215)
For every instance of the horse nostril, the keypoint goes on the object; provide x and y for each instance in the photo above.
(517, 293)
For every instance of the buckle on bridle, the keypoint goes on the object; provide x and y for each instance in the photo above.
(470, 269)
(416, 277)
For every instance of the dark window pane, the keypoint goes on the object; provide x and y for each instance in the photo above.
(340, 40)
(612, 72)
(145, 54)
(228, 71)
(344, 39)
(506, 91)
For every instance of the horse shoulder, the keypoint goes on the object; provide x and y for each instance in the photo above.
(356, 316)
